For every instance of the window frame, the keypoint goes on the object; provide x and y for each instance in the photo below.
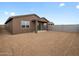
(25, 23)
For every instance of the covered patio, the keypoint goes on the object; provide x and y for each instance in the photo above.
(41, 25)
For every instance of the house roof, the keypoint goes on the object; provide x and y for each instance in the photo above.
(25, 15)
(41, 19)
(51, 23)
(8, 20)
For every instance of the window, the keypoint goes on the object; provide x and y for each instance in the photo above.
(25, 24)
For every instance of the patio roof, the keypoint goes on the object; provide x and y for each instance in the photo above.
(42, 20)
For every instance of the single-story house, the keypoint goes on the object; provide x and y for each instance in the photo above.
(26, 23)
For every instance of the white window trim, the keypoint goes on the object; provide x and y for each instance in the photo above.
(25, 23)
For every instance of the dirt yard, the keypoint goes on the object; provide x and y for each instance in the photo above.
(40, 44)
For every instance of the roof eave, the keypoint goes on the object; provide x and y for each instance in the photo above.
(9, 19)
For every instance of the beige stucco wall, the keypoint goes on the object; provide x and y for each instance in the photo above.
(17, 24)
(50, 26)
(9, 26)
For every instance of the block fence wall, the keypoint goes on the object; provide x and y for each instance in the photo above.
(65, 28)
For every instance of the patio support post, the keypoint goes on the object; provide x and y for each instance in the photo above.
(41, 26)
(47, 27)
(36, 30)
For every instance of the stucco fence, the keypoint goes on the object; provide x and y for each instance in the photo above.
(1, 28)
(65, 28)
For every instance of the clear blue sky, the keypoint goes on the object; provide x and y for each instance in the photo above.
(57, 12)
